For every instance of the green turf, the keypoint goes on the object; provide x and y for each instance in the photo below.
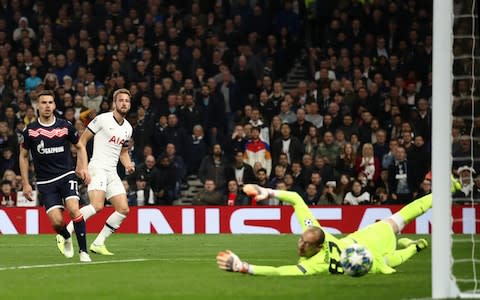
(183, 267)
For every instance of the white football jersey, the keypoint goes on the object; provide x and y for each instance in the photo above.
(110, 137)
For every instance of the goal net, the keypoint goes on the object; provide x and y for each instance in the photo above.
(456, 110)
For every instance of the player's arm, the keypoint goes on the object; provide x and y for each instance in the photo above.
(24, 166)
(82, 157)
(126, 161)
(229, 261)
(302, 212)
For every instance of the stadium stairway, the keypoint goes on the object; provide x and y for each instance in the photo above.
(189, 190)
(296, 74)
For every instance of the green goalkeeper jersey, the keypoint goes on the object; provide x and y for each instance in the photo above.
(379, 238)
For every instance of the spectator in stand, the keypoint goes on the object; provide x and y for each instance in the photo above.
(255, 120)
(266, 107)
(357, 195)
(159, 135)
(330, 195)
(425, 188)
(312, 114)
(311, 195)
(287, 144)
(278, 175)
(419, 157)
(213, 110)
(275, 128)
(192, 114)
(327, 125)
(176, 135)
(291, 185)
(8, 196)
(213, 167)
(328, 148)
(261, 177)
(145, 169)
(32, 82)
(346, 160)
(162, 181)
(233, 196)
(257, 150)
(141, 194)
(465, 177)
(240, 171)
(316, 179)
(368, 164)
(209, 195)
(286, 114)
(301, 126)
(7, 138)
(196, 150)
(180, 168)
(400, 175)
(380, 147)
(237, 142)
(8, 162)
(311, 140)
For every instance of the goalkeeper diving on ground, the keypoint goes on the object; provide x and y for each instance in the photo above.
(319, 251)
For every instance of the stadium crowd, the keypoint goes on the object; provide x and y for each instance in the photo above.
(208, 78)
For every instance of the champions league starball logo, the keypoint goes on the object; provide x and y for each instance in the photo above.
(308, 222)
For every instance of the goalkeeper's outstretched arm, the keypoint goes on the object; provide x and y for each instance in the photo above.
(229, 261)
(302, 212)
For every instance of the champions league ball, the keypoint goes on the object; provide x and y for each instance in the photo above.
(356, 260)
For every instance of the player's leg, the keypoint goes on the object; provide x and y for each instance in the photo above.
(63, 237)
(117, 196)
(52, 201)
(409, 212)
(78, 221)
(86, 211)
(120, 203)
(410, 248)
(69, 192)
(96, 196)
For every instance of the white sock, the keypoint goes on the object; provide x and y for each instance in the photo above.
(87, 211)
(112, 224)
(398, 219)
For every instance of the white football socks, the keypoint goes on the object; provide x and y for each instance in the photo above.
(113, 223)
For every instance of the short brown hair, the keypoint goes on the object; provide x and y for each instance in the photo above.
(120, 91)
(46, 93)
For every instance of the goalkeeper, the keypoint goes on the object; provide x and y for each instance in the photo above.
(320, 251)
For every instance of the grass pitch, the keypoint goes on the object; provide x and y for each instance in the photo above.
(183, 267)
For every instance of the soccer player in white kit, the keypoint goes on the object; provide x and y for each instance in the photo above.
(111, 133)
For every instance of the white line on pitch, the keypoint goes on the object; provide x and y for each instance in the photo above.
(186, 259)
(73, 264)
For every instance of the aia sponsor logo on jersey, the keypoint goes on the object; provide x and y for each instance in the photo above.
(116, 140)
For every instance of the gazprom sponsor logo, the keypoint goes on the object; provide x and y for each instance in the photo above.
(52, 150)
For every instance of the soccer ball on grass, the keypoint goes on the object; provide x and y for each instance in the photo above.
(356, 260)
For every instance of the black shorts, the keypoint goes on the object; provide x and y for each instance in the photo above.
(52, 193)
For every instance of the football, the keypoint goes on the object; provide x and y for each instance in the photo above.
(356, 260)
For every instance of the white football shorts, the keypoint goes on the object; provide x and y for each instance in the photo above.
(105, 180)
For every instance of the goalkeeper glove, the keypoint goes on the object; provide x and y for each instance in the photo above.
(257, 192)
(229, 261)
